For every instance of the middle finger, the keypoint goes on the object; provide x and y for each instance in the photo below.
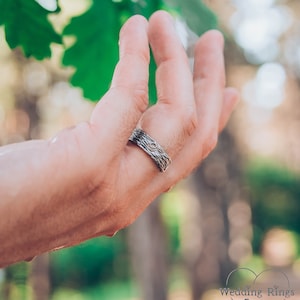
(174, 116)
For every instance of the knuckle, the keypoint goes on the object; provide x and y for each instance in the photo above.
(103, 191)
(135, 94)
(189, 121)
(140, 96)
(123, 214)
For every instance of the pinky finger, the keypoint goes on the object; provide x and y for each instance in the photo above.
(230, 100)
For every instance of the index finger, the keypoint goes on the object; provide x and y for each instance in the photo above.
(118, 112)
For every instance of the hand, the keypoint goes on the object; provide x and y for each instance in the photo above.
(89, 180)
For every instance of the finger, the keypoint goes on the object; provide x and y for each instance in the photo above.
(186, 161)
(118, 112)
(209, 81)
(230, 100)
(174, 116)
(174, 78)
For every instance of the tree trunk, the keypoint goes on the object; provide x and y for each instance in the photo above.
(39, 277)
(214, 242)
(147, 244)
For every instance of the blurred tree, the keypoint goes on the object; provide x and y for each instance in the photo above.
(148, 247)
(39, 278)
(220, 220)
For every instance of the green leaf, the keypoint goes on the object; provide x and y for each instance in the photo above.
(197, 15)
(99, 29)
(144, 7)
(27, 25)
(152, 84)
(95, 51)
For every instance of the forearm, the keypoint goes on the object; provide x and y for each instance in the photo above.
(39, 204)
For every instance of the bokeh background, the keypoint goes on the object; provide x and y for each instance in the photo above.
(240, 210)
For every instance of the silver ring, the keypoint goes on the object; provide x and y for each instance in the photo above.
(152, 148)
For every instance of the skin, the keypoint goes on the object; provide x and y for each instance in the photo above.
(89, 180)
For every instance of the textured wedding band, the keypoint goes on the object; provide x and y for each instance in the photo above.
(152, 148)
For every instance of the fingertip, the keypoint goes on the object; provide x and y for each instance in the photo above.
(209, 58)
(134, 24)
(134, 37)
(164, 40)
(211, 37)
(160, 15)
(158, 22)
(136, 20)
(216, 35)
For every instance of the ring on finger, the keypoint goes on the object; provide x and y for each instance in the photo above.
(143, 140)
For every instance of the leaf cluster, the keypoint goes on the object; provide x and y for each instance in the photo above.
(274, 193)
(95, 50)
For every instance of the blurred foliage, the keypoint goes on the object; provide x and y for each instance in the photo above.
(99, 259)
(172, 210)
(197, 15)
(95, 50)
(16, 280)
(275, 194)
(113, 291)
(105, 259)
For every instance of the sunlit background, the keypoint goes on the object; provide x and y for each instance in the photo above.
(241, 209)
